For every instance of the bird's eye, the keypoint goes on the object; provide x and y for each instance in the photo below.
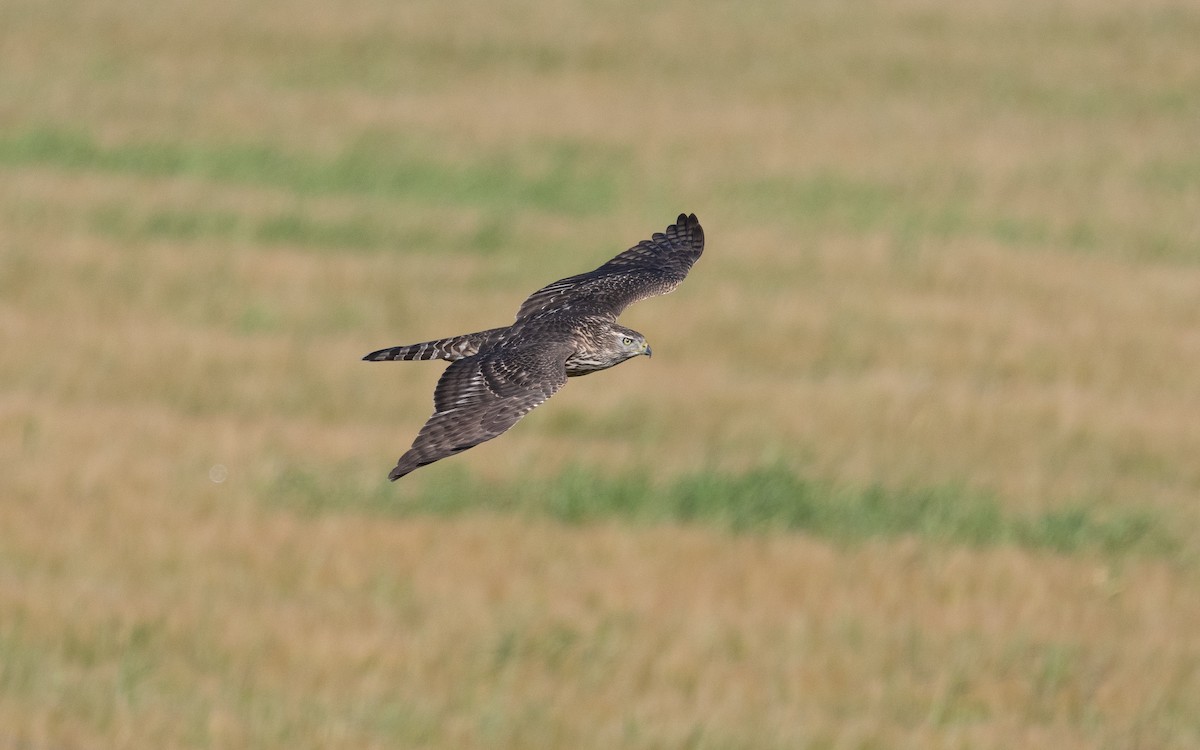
(626, 341)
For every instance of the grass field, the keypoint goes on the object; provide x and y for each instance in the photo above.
(916, 463)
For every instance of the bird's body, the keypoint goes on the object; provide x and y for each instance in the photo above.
(564, 329)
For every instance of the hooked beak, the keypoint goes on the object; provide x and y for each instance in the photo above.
(646, 350)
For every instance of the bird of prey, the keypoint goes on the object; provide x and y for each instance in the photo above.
(565, 329)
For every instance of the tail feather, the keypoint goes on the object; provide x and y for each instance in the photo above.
(451, 349)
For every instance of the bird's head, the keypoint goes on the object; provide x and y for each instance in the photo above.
(629, 342)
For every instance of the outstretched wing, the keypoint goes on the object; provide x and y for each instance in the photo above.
(481, 396)
(649, 268)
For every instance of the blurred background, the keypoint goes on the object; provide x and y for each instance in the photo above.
(915, 465)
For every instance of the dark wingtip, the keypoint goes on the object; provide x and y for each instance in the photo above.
(691, 225)
(405, 465)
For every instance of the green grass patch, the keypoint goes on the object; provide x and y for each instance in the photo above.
(831, 200)
(767, 499)
(911, 211)
(1178, 176)
(359, 232)
(286, 228)
(558, 177)
(824, 198)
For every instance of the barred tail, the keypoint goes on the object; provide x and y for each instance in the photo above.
(455, 347)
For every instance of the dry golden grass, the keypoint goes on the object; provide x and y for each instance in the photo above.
(950, 246)
(497, 632)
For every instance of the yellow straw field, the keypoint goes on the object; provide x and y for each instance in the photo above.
(916, 462)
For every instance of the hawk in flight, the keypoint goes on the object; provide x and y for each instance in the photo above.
(568, 328)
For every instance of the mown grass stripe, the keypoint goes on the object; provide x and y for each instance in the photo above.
(565, 178)
(360, 232)
(766, 499)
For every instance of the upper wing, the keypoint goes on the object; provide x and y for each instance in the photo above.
(649, 268)
(481, 396)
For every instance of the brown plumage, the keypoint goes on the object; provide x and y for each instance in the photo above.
(567, 328)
